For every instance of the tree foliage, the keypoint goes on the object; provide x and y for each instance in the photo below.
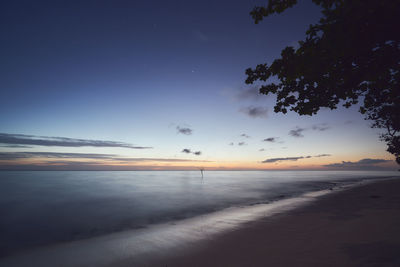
(351, 56)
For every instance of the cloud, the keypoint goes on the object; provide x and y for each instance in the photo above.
(188, 151)
(159, 160)
(9, 156)
(71, 163)
(245, 135)
(322, 155)
(320, 127)
(272, 160)
(92, 166)
(298, 132)
(27, 155)
(261, 149)
(184, 130)
(15, 146)
(251, 93)
(239, 144)
(242, 94)
(270, 139)
(366, 163)
(23, 139)
(282, 159)
(371, 161)
(255, 112)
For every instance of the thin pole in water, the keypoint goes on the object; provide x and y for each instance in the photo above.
(201, 170)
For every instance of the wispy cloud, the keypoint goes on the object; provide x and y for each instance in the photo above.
(24, 139)
(244, 94)
(188, 151)
(251, 93)
(239, 144)
(255, 112)
(320, 127)
(272, 140)
(14, 146)
(322, 155)
(366, 164)
(27, 155)
(93, 166)
(272, 160)
(10, 156)
(159, 160)
(245, 135)
(71, 163)
(298, 132)
(184, 130)
(282, 159)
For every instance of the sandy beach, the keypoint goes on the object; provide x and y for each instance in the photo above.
(354, 227)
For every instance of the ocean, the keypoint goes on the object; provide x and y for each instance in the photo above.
(40, 209)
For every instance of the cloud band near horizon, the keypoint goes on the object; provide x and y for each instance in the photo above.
(12, 156)
(272, 160)
(24, 139)
(366, 163)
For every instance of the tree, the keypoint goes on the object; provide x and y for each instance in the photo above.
(351, 56)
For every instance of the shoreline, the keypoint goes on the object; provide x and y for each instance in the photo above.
(142, 245)
(193, 241)
(357, 226)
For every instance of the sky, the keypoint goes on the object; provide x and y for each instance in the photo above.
(159, 85)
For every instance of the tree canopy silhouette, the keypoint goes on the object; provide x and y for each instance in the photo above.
(351, 56)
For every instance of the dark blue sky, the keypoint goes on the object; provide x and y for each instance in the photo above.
(50, 48)
(132, 71)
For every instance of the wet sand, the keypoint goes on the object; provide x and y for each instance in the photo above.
(359, 226)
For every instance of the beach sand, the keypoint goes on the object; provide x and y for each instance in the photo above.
(359, 226)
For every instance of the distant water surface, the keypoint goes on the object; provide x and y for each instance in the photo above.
(42, 208)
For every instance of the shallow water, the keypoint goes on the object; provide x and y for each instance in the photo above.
(43, 208)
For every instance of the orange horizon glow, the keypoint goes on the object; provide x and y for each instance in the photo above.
(148, 164)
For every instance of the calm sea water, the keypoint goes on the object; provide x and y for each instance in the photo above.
(42, 208)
